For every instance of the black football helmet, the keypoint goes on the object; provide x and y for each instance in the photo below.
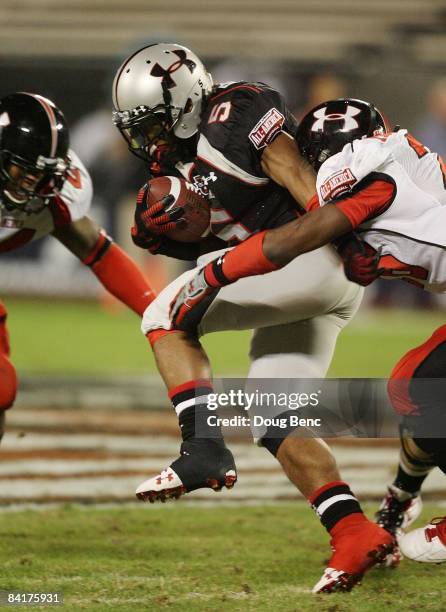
(34, 145)
(328, 127)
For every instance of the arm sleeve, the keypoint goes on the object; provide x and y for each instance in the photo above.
(369, 202)
(312, 203)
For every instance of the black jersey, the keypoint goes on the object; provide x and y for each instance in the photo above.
(239, 121)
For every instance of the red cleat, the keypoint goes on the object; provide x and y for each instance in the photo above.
(357, 544)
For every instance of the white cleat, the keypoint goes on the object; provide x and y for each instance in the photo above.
(333, 580)
(427, 544)
(166, 485)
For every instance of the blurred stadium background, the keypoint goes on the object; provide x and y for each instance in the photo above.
(90, 397)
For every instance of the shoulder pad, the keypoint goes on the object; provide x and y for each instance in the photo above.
(341, 172)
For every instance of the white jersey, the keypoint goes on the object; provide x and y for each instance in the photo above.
(409, 227)
(72, 203)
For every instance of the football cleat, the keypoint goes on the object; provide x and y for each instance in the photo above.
(426, 544)
(356, 548)
(395, 515)
(202, 464)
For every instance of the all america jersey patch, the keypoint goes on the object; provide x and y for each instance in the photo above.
(337, 184)
(266, 129)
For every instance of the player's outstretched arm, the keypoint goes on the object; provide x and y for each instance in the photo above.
(273, 249)
(305, 234)
(262, 253)
(117, 272)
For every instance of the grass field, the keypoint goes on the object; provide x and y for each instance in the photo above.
(184, 557)
(82, 338)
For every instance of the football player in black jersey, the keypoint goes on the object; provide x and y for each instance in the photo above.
(247, 160)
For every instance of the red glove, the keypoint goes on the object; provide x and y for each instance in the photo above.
(151, 222)
(361, 261)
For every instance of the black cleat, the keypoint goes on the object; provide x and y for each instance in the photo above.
(202, 464)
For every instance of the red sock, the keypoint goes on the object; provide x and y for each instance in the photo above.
(336, 506)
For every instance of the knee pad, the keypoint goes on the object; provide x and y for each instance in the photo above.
(8, 383)
(434, 447)
(413, 449)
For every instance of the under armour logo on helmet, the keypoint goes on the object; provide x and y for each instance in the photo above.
(164, 73)
(347, 117)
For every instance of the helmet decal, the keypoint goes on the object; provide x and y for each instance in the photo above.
(349, 122)
(164, 73)
(52, 121)
(328, 127)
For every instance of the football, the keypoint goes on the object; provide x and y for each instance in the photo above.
(196, 207)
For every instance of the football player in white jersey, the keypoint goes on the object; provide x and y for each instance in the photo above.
(392, 190)
(45, 189)
(242, 135)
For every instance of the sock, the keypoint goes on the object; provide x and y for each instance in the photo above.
(406, 483)
(412, 470)
(190, 401)
(334, 502)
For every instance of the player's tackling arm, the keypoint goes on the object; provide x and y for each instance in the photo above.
(117, 272)
(272, 249)
(305, 234)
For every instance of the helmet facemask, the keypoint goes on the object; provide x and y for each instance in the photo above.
(144, 128)
(30, 185)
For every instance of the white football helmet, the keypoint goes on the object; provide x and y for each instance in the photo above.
(159, 91)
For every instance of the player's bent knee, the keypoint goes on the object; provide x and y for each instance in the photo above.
(8, 383)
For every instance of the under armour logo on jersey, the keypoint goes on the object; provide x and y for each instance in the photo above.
(164, 73)
(347, 117)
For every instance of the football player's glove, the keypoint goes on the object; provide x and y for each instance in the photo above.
(194, 298)
(155, 218)
(361, 261)
(151, 222)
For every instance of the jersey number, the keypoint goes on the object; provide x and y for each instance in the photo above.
(421, 151)
(74, 177)
(220, 113)
(230, 231)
